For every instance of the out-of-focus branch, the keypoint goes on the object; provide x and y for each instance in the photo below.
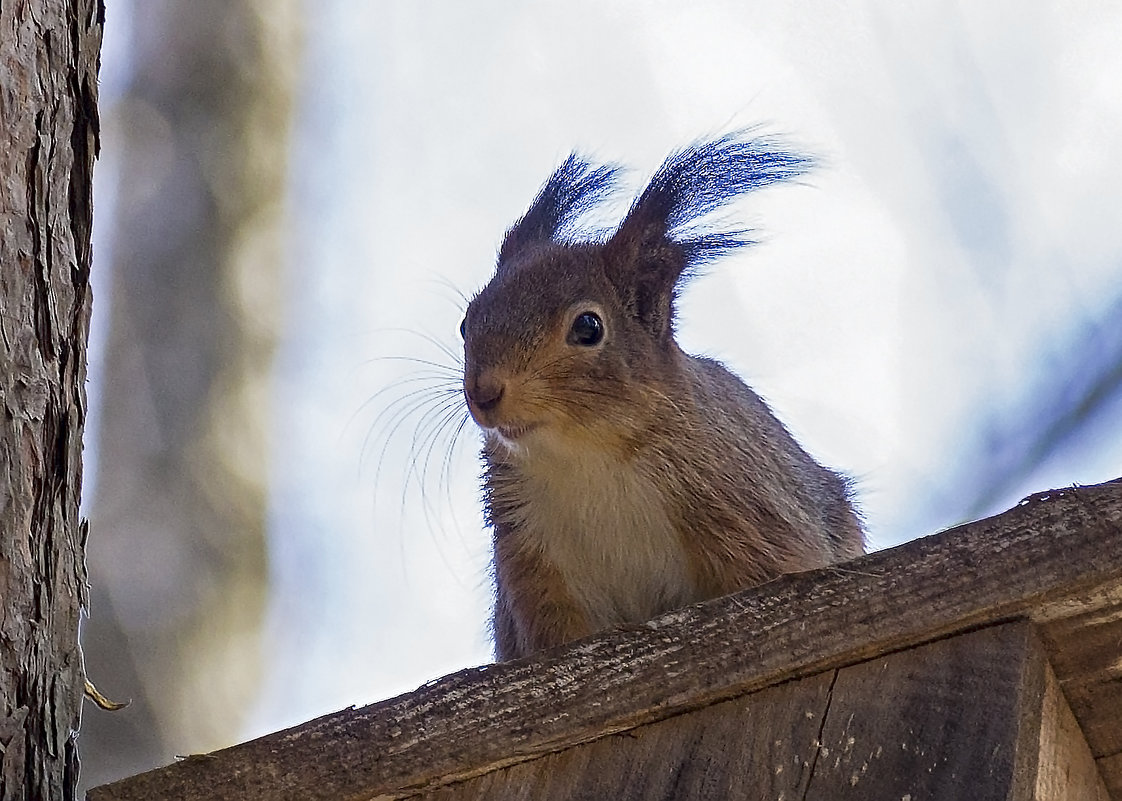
(178, 562)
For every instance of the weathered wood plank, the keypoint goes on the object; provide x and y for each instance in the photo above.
(1098, 706)
(1087, 651)
(1030, 561)
(954, 719)
(1110, 768)
(1067, 770)
(757, 746)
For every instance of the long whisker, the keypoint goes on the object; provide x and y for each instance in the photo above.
(461, 301)
(440, 366)
(424, 412)
(430, 435)
(399, 414)
(405, 404)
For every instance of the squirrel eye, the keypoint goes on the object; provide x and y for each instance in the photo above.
(587, 330)
(463, 328)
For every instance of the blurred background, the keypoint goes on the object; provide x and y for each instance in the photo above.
(293, 200)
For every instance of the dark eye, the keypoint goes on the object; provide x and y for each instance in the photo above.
(587, 329)
(463, 328)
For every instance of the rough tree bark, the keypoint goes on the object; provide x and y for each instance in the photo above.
(49, 56)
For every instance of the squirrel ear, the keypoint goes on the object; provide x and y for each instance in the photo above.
(662, 238)
(574, 188)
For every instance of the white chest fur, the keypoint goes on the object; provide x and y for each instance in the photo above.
(603, 526)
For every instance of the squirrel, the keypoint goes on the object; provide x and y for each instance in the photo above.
(623, 477)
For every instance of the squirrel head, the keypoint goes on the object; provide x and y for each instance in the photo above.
(572, 340)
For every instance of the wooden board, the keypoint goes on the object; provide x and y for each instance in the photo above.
(1110, 768)
(1054, 557)
(1087, 654)
(760, 746)
(1067, 769)
(976, 716)
(951, 720)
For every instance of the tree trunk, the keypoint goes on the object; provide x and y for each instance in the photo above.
(49, 53)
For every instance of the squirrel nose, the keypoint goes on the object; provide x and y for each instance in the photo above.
(484, 391)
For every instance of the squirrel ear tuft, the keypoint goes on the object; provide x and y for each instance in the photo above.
(574, 188)
(663, 236)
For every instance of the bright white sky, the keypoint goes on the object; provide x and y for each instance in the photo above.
(965, 219)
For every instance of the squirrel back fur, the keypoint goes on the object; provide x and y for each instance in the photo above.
(624, 477)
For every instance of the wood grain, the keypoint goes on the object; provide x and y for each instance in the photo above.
(958, 718)
(758, 746)
(950, 720)
(1067, 769)
(1053, 556)
(1087, 652)
(1110, 768)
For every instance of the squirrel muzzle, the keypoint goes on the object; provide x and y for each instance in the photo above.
(483, 392)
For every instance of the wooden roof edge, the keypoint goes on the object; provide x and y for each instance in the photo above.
(1054, 555)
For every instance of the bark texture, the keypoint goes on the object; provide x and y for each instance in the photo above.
(49, 52)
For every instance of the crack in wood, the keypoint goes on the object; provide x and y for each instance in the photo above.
(820, 748)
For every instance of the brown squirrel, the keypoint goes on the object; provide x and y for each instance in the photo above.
(625, 478)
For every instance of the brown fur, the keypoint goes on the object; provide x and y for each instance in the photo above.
(626, 478)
